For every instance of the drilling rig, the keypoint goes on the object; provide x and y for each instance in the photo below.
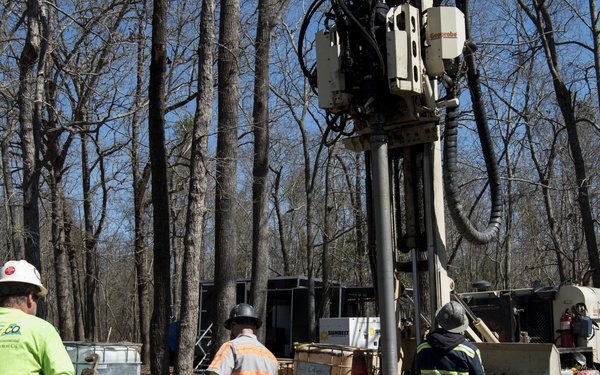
(388, 76)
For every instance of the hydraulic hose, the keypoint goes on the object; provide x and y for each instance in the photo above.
(463, 223)
(304, 27)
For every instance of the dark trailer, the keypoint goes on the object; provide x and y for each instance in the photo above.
(287, 320)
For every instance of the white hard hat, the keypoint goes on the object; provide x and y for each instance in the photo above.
(21, 271)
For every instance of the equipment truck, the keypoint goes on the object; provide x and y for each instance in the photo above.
(562, 318)
(380, 69)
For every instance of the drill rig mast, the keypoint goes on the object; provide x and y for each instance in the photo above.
(378, 68)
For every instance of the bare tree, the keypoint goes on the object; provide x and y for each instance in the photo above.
(160, 196)
(76, 269)
(225, 194)
(92, 226)
(295, 96)
(14, 238)
(280, 227)
(541, 18)
(268, 16)
(328, 231)
(198, 185)
(141, 176)
(56, 156)
(29, 102)
(260, 170)
(354, 184)
(310, 169)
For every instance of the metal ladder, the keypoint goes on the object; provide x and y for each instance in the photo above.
(204, 349)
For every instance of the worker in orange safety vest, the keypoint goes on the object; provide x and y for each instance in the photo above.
(243, 354)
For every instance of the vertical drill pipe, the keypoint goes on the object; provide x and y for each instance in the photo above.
(429, 229)
(440, 284)
(414, 253)
(410, 207)
(383, 238)
(410, 200)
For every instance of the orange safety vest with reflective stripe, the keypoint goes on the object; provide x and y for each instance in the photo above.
(244, 355)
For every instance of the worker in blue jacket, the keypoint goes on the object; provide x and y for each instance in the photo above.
(446, 350)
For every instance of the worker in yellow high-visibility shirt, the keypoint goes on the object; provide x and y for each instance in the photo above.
(28, 345)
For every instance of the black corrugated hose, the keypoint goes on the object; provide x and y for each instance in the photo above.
(463, 223)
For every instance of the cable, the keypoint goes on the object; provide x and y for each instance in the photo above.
(368, 37)
(463, 223)
(307, 18)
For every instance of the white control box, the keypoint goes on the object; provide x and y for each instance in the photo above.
(357, 332)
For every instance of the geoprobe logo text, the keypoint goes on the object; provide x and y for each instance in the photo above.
(444, 34)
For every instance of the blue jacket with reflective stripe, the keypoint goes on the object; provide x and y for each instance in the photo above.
(448, 354)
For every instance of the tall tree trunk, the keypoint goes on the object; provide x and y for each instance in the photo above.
(159, 340)
(190, 291)
(361, 229)
(14, 241)
(225, 232)
(354, 187)
(310, 173)
(285, 256)
(144, 280)
(92, 228)
(328, 232)
(91, 262)
(260, 170)
(309, 176)
(75, 277)
(360, 221)
(310, 266)
(543, 22)
(30, 131)
(267, 19)
(141, 176)
(56, 156)
(545, 175)
(506, 243)
(177, 256)
(66, 322)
